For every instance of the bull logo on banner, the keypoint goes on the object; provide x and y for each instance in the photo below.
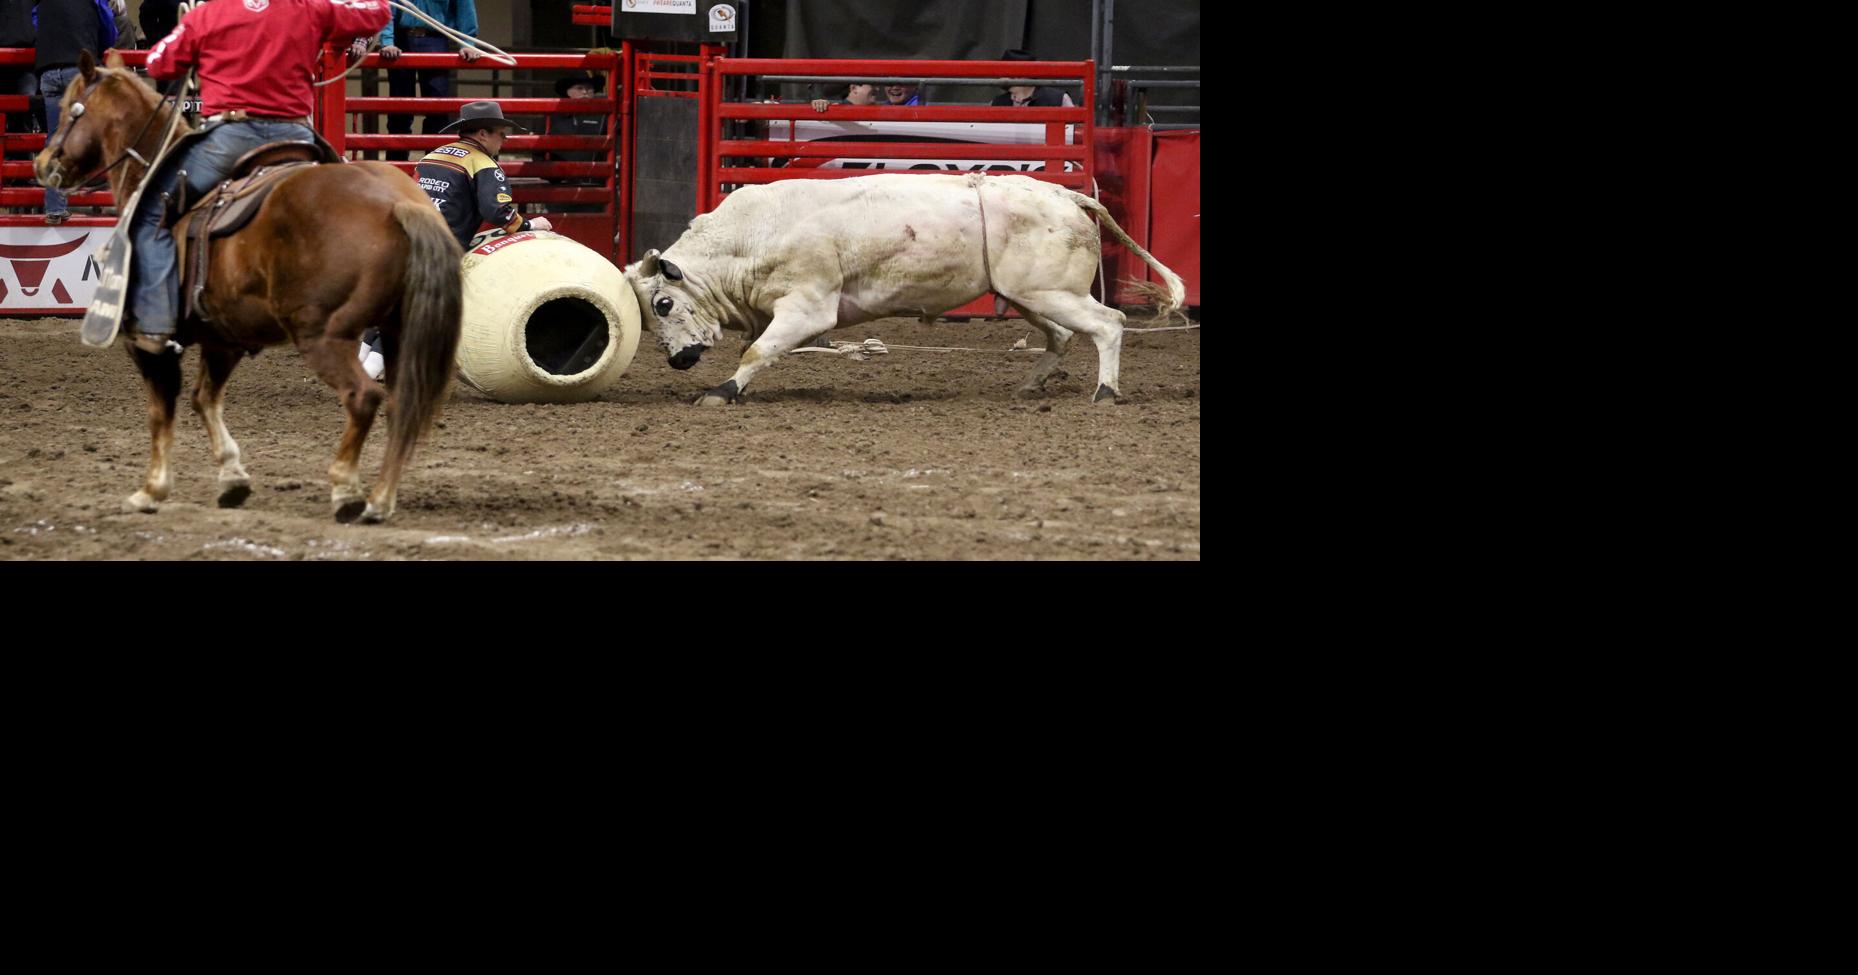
(30, 262)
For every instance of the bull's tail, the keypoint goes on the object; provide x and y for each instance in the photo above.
(1165, 302)
(430, 318)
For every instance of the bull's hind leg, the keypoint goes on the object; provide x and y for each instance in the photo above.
(1057, 339)
(1081, 313)
(216, 367)
(797, 320)
(161, 374)
(338, 363)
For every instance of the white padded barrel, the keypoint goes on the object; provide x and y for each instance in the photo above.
(546, 320)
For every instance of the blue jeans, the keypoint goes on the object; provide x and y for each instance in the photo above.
(155, 281)
(433, 83)
(52, 85)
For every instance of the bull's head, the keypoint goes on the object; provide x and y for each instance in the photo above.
(671, 305)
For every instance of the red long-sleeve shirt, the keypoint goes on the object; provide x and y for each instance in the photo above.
(260, 55)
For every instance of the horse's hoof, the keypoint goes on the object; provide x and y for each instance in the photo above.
(142, 503)
(711, 399)
(347, 511)
(233, 493)
(1029, 392)
(374, 516)
(1105, 395)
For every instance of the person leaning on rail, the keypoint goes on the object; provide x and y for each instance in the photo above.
(1022, 96)
(856, 93)
(470, 190)
(257, 68)
(408, 33)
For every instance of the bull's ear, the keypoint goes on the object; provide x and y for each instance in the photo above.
(648, 265)
(87, 66)
(114, 59)
(671, 271)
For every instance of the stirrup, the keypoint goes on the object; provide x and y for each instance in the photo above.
(153, 344)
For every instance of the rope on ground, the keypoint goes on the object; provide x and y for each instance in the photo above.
(863, 351)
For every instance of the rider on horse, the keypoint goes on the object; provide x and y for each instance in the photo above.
(257, 64)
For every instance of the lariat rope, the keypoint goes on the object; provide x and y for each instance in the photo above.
(863, 351)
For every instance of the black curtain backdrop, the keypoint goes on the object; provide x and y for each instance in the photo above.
(1147, 32)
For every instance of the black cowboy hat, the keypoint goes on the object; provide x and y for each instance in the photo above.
(593, 78)
(481, 112)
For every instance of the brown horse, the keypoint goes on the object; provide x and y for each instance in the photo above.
(335, 250)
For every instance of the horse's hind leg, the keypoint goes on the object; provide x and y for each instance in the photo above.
(161, 374)
(338, 362)
(216, 367)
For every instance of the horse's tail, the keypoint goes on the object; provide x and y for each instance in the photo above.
(430, 316)
(1165, 302)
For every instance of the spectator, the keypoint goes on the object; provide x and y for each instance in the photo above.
(126, 38)
(233, 46)
(406, 33)
(857, 93)
(1021, 96)
(67, 28)
(16, 30)
(902, 95)
(587, 85)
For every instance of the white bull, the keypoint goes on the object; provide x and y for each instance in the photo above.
(795, 259)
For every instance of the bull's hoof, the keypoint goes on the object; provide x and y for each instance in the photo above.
(1105, 395)
(141, 502)
(347, 511)
(233, 493)
(374, 516)
(720, 396)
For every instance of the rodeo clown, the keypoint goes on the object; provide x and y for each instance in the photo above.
(470, 190)
(257, 64)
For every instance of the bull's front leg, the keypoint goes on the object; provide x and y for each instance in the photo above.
(797, 319)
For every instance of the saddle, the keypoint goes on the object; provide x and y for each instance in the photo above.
(228, 207)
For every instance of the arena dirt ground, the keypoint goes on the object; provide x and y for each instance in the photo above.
(914, 455)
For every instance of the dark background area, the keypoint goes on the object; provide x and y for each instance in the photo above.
(1147, 32)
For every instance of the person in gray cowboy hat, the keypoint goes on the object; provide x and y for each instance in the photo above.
(463, 177)
(468, 186)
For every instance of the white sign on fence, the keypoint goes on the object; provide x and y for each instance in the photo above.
(952, 133)
(44, 269)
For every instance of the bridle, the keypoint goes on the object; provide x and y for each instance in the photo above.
(76, 113)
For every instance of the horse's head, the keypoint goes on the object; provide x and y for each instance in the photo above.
(99, 101)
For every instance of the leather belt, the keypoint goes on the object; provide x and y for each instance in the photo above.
(241, 115)
(416, 32)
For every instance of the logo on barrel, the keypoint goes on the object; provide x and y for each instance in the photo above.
(257, 6)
